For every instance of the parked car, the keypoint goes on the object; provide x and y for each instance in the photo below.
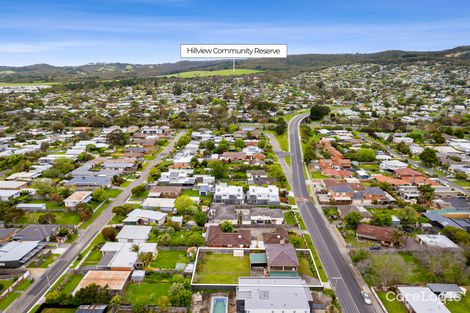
(375, 247)
(366, 297)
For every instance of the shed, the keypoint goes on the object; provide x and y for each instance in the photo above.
(258, 259)
(138, 276)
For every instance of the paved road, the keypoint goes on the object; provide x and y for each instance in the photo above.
(427, 170)
(341, 277)
(40, 286)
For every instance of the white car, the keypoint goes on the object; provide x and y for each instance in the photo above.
(366, 297)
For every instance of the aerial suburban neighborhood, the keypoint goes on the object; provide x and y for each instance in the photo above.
(234, 178)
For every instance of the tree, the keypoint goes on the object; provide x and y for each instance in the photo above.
(364, 155)
(116, 301)
(457, 235)
(317, 112)
(408, 215)
(92, 294)
(57, 127)
(281, 126)
(200, 218)
(123, 210)
(146, 258)
(353, 219)
(183, 141)
(184, 205)
(164, 239)
(163, 303)
(226, 226)
(100, 195)
(84, 212)
(389, 269)
(426, 194)
(239, 143)
(429, 157)
(309, 154)
(217, 169)
(296, 241)
(403, 148)
(46, 218)
(179, 296)
(138, 190)
(117, 138)
(64, 165)
(43, 187)
(382, 219)
(437, 137)
(109, 233)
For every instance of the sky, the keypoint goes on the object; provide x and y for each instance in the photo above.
(75, 32)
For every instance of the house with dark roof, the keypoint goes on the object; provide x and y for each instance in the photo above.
(6, 234)
(282, 257)
(279, 236)
(36, 232)
(215, 237)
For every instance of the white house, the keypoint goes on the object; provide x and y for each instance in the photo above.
(392, 165)
(228, 194)
(164, 204)
(76, 198)
(259, 195)
(133, 233)
(146, 217)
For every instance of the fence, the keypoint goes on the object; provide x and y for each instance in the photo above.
(15, 283)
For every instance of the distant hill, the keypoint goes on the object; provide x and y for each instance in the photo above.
(48, 73)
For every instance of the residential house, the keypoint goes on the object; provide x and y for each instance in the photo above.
(388, 236)
(36, 232)
(282, 257)
(145, 217)
(76, 198)
(258, 195)
(17, 253)
(273, 294)
(215, 237)
(133, 233)
(228, 194)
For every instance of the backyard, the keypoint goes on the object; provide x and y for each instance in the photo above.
(148, 291)
(221, 268)
(167, 259)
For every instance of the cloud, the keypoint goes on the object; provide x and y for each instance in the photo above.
(37, 47)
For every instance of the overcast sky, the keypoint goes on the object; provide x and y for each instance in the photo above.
(75, 32)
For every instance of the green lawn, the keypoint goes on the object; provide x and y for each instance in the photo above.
(304, 267)
(146, 292)
(6, 283)
(391, 306)
(301, 221)
(49, 204)
(48, 261)
(72, 283)
(462, 306)
(93, 258)
(190, 193)
(64, 218)
(227, 72)
(126, 184)
(318, 263)
(167, 259)
(420, 274)
(317, 175)
(96, 213)
(221, 268)
(5, 302)
(289, 218)
(113, 193)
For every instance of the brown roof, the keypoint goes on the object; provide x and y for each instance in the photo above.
(406, 171)
(379, 233)
(276, 236)
(281, 255)
(167, 189)
(116, 280)
(217, 238)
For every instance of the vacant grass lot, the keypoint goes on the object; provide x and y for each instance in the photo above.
(63, 218)
(289, 218)
(221, 268)
(391, 306)
(167, 259)
(72, 283)
(463, 306)
(148, 291)
(228, 72)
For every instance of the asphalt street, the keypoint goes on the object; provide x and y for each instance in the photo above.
(341, 277)
(37, 290)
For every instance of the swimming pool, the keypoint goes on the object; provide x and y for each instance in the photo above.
(219, 305)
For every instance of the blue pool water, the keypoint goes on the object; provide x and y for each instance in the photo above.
(219, 305)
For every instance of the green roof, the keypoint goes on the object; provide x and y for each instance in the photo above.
(258, 258)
